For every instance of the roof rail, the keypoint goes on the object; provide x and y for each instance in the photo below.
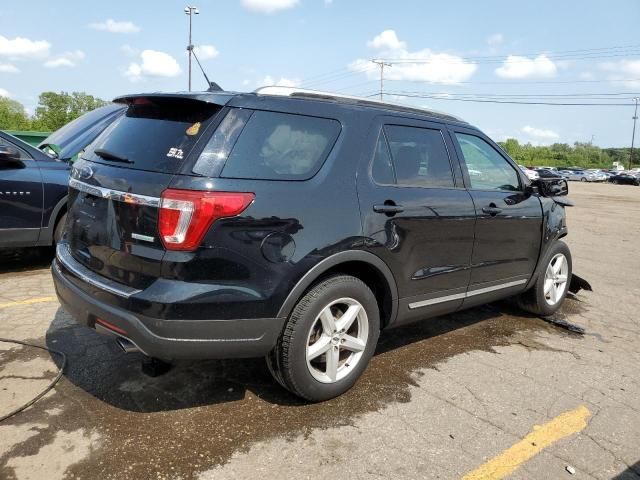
(340, 98)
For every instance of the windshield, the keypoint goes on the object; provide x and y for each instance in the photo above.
(154, 134)
(69, 140)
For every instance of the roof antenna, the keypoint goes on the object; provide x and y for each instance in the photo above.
(213, 86)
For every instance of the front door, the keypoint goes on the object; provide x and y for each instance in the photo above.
(20, 200)
(416, 215)
(509, 220)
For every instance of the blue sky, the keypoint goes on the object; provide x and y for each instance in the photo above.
(535, 51)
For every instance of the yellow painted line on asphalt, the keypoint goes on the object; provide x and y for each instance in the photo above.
(507, 462)
(28, 302)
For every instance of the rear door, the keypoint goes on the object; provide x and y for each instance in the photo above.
(509, 220)
(20, 199)
(416, 214)
(116, 186)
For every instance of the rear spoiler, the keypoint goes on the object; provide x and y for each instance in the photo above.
(215, 97)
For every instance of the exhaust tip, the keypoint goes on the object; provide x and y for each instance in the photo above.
(127, 345)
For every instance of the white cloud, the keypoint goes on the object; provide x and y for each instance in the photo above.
(495, 39)
(23, 47)
(269, 81)
(539, 133)
(268, 6)
(586, 76)
(429, 67)
(626, 70)
(387, 40)
(113, 26)
(516, 66)
(4, 93)
(8, 68)
(153, 64)
(129, 51)
(66, 59)
(206, 52)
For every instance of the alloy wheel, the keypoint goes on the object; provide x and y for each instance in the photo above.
(555, 279)
(337, 340)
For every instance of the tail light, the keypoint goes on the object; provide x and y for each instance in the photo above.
(186, 215)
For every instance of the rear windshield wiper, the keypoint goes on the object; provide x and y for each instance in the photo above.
(107, 155)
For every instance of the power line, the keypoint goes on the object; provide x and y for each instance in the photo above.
(576, 54)
(502, 60)
(516, 82)
(512, 102)
(586, 53)
(630, 95)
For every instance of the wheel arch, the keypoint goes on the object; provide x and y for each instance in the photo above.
(366, 266)
(46, 236)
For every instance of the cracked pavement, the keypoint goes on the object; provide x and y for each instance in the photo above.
(439, 399)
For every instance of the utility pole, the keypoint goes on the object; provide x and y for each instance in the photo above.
(191, 11)
(633, 135)
(381, 64)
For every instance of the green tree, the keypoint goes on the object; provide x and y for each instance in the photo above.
(13, 116)
(57, 109)
(581, 154)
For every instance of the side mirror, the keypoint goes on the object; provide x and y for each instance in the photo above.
(552, 187)
(10, 156)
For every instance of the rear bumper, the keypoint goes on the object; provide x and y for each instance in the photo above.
(189, 339)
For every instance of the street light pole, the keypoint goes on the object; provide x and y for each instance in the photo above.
(190, 10)
(633, 135)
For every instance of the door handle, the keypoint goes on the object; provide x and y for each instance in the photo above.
(388, 209)
(492, 210)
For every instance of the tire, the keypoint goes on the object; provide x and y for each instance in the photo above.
(544, 303)
(583, 179)
(313, 322)
(59, 231)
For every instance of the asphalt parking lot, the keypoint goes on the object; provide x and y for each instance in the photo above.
(484, 393)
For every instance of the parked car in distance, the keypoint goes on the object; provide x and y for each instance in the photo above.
(531, 174)
(295, 225)
(34, 181)
(625, 178)
(579, 175)
(598, 174)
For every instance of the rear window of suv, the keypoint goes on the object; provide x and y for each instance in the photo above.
(268, 146)
(154, 134)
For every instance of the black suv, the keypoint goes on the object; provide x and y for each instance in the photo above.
(296, 225)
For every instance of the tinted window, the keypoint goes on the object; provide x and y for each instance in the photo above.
(217, 150)
(281, 146)
(155, 134)
(488, 170)
(382, 168)
(23, 155)
(419, 156)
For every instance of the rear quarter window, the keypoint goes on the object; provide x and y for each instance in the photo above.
(281, 146)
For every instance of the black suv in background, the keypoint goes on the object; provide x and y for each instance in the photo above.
(296, 225)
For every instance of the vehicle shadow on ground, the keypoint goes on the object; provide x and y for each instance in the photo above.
(97, 365)
(631, 473)
(25, 259)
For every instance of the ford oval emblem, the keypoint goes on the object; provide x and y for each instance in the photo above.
(83, 173)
